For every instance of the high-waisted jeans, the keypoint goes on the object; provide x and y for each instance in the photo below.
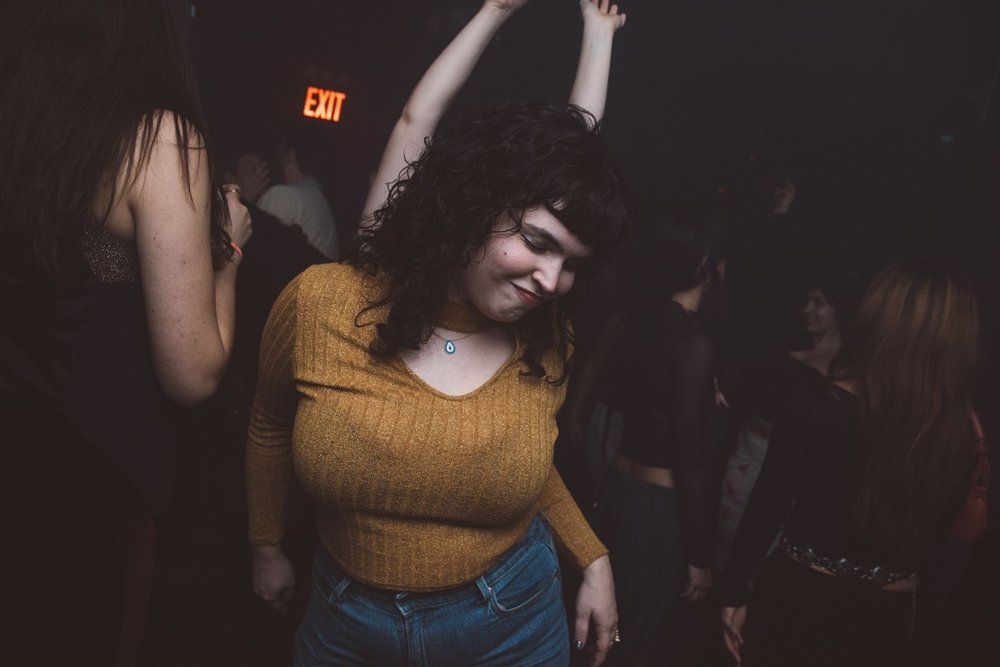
(511, 615)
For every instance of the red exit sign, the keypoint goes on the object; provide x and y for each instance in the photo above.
(323, 104)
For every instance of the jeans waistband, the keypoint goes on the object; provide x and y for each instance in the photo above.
(506, 566)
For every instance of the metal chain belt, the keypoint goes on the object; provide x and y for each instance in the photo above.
(877, 575)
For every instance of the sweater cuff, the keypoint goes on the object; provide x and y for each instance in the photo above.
(573, 536)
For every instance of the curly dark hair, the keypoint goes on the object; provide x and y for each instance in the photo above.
(446, 204)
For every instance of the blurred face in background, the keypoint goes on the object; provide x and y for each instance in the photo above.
(818, 316)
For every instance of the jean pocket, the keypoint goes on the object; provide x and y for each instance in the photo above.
(535, 575)
(329, 581)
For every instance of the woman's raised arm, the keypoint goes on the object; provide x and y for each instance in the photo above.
(432, 97)
(449, 72)
(590, 88)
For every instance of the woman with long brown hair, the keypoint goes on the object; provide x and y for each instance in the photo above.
(118, 267)
(866, 473)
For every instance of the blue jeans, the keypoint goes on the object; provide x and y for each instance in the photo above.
(640, 524)
(511, 615)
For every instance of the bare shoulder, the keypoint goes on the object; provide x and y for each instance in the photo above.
(171, 129)
(154, 166)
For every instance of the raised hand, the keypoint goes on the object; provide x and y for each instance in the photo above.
(601, 14)
(601, 20)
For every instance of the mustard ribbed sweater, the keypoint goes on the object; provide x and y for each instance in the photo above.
(415, 490)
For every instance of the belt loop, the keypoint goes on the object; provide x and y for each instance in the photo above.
(341, 587)
(484, 589)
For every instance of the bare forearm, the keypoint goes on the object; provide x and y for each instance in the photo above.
(590, 88)
(601, 20)
(449, 72)
(190, 372)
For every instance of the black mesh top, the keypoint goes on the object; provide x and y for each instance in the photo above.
(665, 392)
(763, 386)
(803, 486)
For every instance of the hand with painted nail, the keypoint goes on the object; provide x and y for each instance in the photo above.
(596, 611)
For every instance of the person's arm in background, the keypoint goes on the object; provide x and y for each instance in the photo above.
(190, 307)
(692, 368)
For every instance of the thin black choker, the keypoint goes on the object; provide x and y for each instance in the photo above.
(462, 317)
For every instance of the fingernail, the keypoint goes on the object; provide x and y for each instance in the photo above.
(579, 645)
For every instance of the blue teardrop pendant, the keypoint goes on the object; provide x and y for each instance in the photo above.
(449, 347)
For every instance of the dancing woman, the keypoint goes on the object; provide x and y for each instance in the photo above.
(417, 386)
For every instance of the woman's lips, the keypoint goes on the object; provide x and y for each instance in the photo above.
(528, 297)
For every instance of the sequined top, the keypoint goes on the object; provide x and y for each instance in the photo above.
(110, 258)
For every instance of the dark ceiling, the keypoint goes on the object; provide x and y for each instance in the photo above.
(882, 110)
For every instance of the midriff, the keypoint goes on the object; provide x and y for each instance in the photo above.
(660, 476)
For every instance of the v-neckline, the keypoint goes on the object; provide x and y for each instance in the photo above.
(514, 357)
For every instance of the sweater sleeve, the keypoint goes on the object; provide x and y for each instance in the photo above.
(573, 536)
(269, 444)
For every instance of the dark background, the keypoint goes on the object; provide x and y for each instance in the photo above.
(886, 113)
